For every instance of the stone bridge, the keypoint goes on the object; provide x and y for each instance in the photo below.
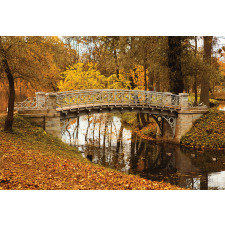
(173, 113)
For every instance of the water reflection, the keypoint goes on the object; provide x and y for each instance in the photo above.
(221, 106)
(103, 139)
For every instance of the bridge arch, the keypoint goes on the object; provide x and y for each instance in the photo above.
(159, 115)
(171, 112)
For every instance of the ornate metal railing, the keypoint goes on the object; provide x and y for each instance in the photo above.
(84, 98)
(29, 103)
(113, 97)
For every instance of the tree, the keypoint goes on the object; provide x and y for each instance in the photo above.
(174, 64)
(205, 83)
(32, 60)
(7, 70)
(169, 63)
(77, 78)
(195, 77)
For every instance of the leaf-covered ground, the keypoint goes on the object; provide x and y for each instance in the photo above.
(207, 132)
(31, 159)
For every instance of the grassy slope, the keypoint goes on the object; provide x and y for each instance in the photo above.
(207, 132)
(32, 159)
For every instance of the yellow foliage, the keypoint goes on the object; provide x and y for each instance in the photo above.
(118, 83)
(222, 67)
(76, 78)
(138, 77)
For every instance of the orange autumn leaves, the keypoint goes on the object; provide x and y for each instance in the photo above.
(38, 161)
(148, 132)
(207, 132)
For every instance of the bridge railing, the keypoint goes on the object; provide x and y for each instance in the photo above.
(84, 98)
(32, 103)
(114, 97)
(29, 103)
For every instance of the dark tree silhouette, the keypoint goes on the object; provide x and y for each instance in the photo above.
(4, 61)
(174, 64)
(204, 95)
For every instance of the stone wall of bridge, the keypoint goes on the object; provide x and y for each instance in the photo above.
(49, 118)
(186, 118)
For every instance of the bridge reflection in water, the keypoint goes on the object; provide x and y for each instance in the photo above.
(104, 140)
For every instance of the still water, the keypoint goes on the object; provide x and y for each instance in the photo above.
(221, 106)
(104, 140)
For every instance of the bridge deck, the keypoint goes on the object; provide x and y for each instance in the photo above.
(164, 107)
(114, 105)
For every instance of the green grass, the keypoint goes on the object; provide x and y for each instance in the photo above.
(213, 102)
(32, 159)
(35, 137)
(207, 132)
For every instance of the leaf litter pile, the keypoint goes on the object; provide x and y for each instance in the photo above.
(31, 159)
(207, 132)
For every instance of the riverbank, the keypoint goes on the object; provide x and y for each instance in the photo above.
(219, 96)
(31, 159)
(208, 132)
(147, 132)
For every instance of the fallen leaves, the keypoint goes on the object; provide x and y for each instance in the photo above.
(49, 164)
(207, 132)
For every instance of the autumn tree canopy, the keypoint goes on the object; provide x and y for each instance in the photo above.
(175, 64)
(37, 61)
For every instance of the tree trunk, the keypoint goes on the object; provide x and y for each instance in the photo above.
(195, 77)
(116, 59)
(145, 69)
(9, 118)
(204, 96)
(151, 81)
(157, 86)
(132, 84)
(143, 120)
(138, 121)
(119, 140)
(174, 64)
(145, 77)
(204, 181)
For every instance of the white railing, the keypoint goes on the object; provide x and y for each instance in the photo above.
(29, 103)
(113, 97)
(80, 98)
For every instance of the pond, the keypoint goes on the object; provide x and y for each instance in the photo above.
(104, 140)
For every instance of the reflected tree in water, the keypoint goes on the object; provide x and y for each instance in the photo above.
(112, 145)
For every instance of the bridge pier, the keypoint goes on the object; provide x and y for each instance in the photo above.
(172, 112)
(45, 115)
(52, 117)
(186, 117)
(184, 122)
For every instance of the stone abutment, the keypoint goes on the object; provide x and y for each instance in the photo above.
(172, 126)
